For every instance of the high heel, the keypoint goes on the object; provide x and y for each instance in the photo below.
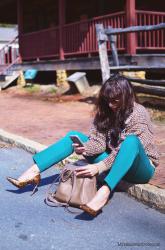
(91, 211)
(21, 184)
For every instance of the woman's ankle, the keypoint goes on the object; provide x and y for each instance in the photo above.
(107, 186)
(29, 173)
(35, 168)
(100, 198)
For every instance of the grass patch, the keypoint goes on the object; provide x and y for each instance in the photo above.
(155, 106)
(157, 115)
(32, 88)
(52, 90)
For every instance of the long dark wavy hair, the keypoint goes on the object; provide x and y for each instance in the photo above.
(117, 87)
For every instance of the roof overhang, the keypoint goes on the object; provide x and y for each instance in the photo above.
(3, 2)
(8, 11)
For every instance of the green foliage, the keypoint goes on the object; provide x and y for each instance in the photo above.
(6, 25)
(157, 115)
(52, 90)
(33, 88)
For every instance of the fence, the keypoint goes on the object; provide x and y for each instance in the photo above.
(151, 40)
(79, 38)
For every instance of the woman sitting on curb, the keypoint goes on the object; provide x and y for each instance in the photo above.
(120, 140)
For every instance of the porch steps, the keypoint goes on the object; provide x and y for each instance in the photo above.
(9, 79)
(9, 56)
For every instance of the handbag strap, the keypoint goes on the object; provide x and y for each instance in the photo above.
(52, 201)
(49, 200)
(67, 207)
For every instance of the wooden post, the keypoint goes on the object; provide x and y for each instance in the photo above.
(113, 39)
(131, 21)
(103, 54)
(20, 16)
(21, 80)
(20, 24)
(116, 31)
(61, 13)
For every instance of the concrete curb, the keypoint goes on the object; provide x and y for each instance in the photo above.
(147, 193)
(28, 145)
(150, 194)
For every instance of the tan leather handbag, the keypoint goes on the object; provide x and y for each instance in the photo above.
(72, 190)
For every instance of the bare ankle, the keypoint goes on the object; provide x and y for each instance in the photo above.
(34, 168)
(29, 173)
(106, 188)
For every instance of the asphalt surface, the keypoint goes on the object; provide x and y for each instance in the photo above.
(27, 223)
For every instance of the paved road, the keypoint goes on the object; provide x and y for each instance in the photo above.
(27, 223)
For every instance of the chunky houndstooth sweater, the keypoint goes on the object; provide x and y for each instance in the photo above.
(138, 123)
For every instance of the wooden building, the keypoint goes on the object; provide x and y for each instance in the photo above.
(57, 34)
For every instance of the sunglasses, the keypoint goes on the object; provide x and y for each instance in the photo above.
(114, 101)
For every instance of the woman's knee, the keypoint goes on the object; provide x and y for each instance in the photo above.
(72, 132)
(133, 139)
(132, 142)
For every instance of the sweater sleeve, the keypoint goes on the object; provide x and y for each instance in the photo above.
(141, 126)
(96, 143)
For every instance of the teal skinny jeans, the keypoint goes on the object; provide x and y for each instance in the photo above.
(131, 163)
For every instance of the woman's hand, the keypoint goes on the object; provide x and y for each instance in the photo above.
(78, 150)
(89, 170)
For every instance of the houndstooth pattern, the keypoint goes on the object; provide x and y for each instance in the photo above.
(138, 123)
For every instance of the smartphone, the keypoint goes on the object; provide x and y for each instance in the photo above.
(76, 139)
